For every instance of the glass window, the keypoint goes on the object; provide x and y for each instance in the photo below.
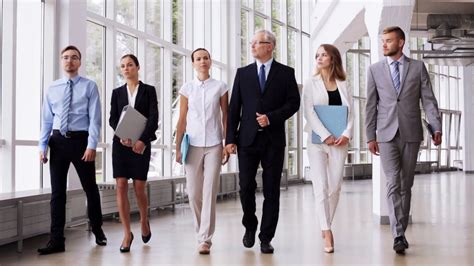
(95, 61)
(96, 6)
(291, 48)
(126, 44)
(125, 12)
(153, 77)
(364, 63)
(291, 9)
(276, 29)
(276, 9)
(259, 23)
(177, 83)
(244, 2)
(217, 33)
(308, 57)
(99, 166)
(28, 71)
(178, 22)
(27, 178)
(153, 17)
(259, 5)
(244, 41)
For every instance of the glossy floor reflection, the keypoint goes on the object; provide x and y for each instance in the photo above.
(442, 233)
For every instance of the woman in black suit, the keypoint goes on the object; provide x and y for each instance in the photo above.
(132, 160)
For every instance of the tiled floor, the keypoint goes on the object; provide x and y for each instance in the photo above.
(442, 233)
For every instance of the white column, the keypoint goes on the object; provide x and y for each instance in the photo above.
(7, 151)
(468, 145)
(71, 27)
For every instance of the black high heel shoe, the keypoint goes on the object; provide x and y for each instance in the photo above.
(147, 237)
(127, 249)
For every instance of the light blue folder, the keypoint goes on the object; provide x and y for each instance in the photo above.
(184, 147)
(334, 119)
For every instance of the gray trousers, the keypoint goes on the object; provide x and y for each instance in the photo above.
(398, 160)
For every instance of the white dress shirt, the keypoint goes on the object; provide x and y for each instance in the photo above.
(401, 66)
(267, 64)
(203, 120)
(132, 97)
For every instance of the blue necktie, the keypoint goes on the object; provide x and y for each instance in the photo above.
(261, 78)
(66, 108)
(396, 76)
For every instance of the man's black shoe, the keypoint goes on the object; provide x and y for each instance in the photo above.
(399, 245)
(405, 242)
(266, 247)
(100, 238)
(52, 247)
(249, 238)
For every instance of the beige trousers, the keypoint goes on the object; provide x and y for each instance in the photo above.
(326, 170)
(203, 166)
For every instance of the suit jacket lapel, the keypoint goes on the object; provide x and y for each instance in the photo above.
(405, 72)
(388, 75)
(254, 78)
(273, 70)
(141, 91)
(123, 94)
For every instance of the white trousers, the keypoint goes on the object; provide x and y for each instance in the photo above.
(203, 166)
(326, 170)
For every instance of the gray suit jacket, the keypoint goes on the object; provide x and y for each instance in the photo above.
(387, 112)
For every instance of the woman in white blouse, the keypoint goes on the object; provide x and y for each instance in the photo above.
(327, 87)
(203, 116)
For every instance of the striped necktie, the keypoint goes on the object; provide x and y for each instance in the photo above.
(396, 76)
(66, 108)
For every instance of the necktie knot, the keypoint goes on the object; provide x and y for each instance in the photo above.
(261, 77)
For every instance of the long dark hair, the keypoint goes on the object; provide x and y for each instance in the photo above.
(336, 71)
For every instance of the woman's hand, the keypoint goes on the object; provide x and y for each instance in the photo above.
(126, 142)
(225, 156)
(178, 156)
(330, 140)
(341, 141)
(139, 147)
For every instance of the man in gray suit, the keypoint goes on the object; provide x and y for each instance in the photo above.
(395, 86)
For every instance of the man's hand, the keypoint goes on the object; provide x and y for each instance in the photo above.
(139, 147)
(330, 140)
(437, 138)
(374, 147)
(262, 120)
(89, 155)
(126, 142)
(43, 157)
(341, 141)
(231, 148)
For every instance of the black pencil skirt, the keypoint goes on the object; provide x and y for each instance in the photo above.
(129, 164)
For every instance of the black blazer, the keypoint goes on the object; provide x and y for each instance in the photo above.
(146, 103)
(279, 101)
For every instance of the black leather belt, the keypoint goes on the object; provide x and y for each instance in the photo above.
(72, 134)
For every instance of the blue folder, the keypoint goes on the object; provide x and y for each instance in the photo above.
(184, 147)
(334, 119)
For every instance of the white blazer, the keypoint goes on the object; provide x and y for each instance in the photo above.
(315, 93)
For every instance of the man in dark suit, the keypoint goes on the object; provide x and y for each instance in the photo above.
(264, 96)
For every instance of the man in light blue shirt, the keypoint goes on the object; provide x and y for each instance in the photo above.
(71, 120)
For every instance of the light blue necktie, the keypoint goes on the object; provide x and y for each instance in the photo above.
(66, 108)
(261, 78)
(396, 76)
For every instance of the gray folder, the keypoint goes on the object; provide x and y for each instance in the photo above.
(131, 124)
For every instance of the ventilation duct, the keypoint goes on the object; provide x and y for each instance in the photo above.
(451, 39)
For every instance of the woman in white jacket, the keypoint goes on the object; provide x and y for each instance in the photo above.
(327, 87)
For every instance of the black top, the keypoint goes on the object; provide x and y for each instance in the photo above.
(334, 97)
